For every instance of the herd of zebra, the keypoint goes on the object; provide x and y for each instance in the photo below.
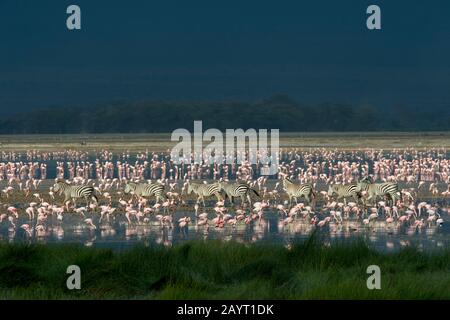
(112, 204)
(363, 191)
(146, 190)
(390, 190)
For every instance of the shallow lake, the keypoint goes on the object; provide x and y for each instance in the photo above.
(120, 235)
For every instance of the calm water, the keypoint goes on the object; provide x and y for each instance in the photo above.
(120, 235)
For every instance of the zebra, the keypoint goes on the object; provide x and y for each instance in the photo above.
(374, 190)
(75, 192)
(238, 190)
(344, 191)
(298, 190)
(146, 190)
(204, 190)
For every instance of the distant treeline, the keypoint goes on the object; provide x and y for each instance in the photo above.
(278, 112)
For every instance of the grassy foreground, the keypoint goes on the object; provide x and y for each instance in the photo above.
(215, 270)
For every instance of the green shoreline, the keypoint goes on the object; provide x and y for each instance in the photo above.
(217, 270)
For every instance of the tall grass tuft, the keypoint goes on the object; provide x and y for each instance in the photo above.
(218, 270)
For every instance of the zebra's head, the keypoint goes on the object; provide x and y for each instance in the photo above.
(223, 185)
(331, 190)
(130, 187)
(189, 188)
(366, 180)
(58, 186)
(361, 186)
(286, 180)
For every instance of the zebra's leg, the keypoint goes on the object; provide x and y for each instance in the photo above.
(242, 196)
(364, 201)
(397, 198)
(369, 198)
(230, 197)
(313, 200)
(308, 200)
(66, 198)
(218, 196)
(95, 199)
(394, 199)
(355, 198)
(203, 200)
(227, 196)
(388, 199)
(249, 199)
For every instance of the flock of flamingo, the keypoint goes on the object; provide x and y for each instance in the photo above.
(30, 209)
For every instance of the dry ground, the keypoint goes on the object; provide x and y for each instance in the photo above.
(161, 141)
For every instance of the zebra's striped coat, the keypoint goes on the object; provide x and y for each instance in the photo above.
(375, 190)
(344, 191)
(204, 190)
(295, 191)
(72, 192)
(145, 190)
(237, 190)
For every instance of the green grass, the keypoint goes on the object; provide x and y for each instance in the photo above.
(216, 270)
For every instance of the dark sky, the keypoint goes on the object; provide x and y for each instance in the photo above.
(316, 51)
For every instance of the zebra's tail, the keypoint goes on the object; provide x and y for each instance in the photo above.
(314, 197)
(94, 197)
(255, 192)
